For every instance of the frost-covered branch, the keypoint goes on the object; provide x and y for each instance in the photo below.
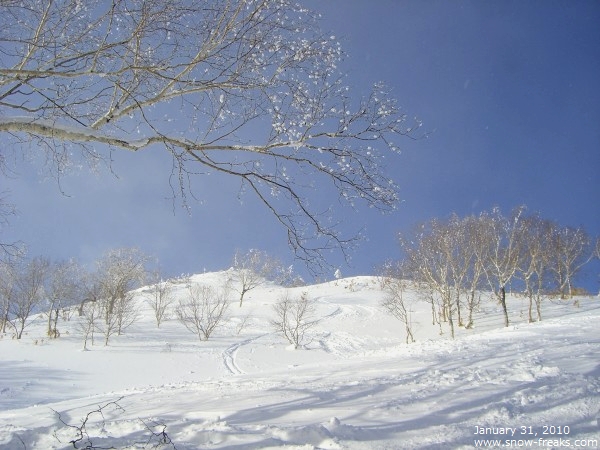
(249, 89)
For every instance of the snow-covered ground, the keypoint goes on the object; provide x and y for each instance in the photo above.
(355, 385)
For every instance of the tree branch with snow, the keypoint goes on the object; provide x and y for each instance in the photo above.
(249, 89)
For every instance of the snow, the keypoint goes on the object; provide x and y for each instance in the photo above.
(354, 385)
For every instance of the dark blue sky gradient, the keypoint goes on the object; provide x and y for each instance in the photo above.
(509, 92)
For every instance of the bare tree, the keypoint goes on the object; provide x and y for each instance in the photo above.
(8, 289)
(126, 312)
(252, 90)
(203, 310)
(64, 290)
(294, 317)
(572, 248)
(252, 269)
(460, 259)
(116, 313)
(286, 276)
(506, 238)
(395, 302)
(90, 307)
(448, 260)
(428, 261)
(88, 321)
(536, 260)
(475, 243)
(30, 279)
(160, 299)
(118, 273)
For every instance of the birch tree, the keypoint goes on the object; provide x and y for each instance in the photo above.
(88, 322)
(64, 290)
(160, 298)
(30, 279)
(250, 89)
(8, 291)
(536, 260)
(460, 261)
(428, 261)
(253, 269)
(506, 238)
(475, 245)
(394, 284)
(572, 248)
(118, 273)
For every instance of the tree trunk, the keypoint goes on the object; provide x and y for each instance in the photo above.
(20, 329)
(503, 303)
(458, 314)
(49, 332)
(55, 329)
(471, 308)
(409, 336)
(52, 321)
(451, 322)
(242, 296)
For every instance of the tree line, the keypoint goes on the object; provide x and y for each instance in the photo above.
(106, 298)
(452, 261)
(29, 286)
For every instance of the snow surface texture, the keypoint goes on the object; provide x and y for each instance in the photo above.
(356, 385)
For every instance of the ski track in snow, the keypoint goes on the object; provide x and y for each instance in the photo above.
(229, 359)
(229, 355)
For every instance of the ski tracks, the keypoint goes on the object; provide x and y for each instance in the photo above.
(347, 309)
(229, 355)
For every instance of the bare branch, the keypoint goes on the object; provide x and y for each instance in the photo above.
(249, 89)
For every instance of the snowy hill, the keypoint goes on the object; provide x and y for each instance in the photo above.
(354, 385)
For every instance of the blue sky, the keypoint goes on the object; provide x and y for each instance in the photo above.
(508, 90)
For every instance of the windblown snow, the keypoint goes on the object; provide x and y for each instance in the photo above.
(356, 384)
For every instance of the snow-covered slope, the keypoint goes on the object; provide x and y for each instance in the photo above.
(355, 385)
